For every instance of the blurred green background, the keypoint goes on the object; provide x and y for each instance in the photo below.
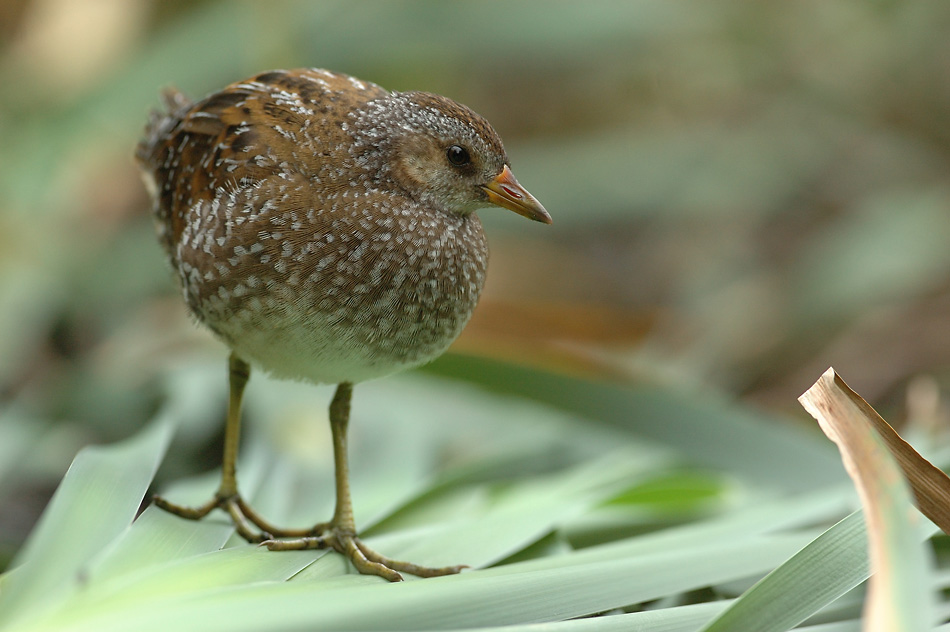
(744, 193)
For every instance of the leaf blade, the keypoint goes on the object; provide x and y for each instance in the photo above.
(94, 505)
(900, 597)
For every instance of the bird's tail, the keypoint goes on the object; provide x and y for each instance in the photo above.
(160, 123)
(151, 154)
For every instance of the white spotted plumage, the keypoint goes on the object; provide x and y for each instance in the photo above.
(300, 235)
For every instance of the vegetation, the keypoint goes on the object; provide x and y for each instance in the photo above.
(743, 195)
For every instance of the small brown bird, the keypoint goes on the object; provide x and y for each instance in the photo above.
(324, 229)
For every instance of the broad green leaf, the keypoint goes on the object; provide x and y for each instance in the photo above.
(157, 537)
(707, 430)
(482, 598)
(827, 568)
(675, 619)
(96, 501)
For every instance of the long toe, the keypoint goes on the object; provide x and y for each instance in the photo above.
(406, 567)
(366, 560)
(249, 524)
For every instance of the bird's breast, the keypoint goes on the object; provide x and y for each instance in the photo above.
(358, 288)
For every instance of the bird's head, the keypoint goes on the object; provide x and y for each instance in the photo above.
(447, 157)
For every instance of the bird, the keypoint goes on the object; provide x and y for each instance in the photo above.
(324, 229)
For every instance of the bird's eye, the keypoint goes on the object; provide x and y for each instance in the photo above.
(458, 156)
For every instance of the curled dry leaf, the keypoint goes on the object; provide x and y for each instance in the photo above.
(885, 469)
(931, 487)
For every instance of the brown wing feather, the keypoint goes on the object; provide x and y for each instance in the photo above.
(276, 123)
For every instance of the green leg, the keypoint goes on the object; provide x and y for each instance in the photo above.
(340, 533)
(227, 497)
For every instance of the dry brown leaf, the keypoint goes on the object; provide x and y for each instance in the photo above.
(931, 486)
(875, 455)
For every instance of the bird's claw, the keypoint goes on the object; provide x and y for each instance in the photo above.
(365, 559)
(253, 528)
(249, 524)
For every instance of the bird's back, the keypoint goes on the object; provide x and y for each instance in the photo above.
(278, 121)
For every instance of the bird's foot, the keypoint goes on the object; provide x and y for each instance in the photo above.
(365, 559)
(250, 525)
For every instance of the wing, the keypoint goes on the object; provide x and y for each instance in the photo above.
(277, 124)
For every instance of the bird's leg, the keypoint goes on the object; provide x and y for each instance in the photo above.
(340, 533)
(227, 497)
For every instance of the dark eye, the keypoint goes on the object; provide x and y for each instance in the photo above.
(458, 156)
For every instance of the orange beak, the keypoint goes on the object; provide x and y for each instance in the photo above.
(504, 191)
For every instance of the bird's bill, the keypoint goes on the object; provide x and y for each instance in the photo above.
(504, 191)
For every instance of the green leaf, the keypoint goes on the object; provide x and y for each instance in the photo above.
(706, 429)
(96, 501)
(510, 594)
(827, 568)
